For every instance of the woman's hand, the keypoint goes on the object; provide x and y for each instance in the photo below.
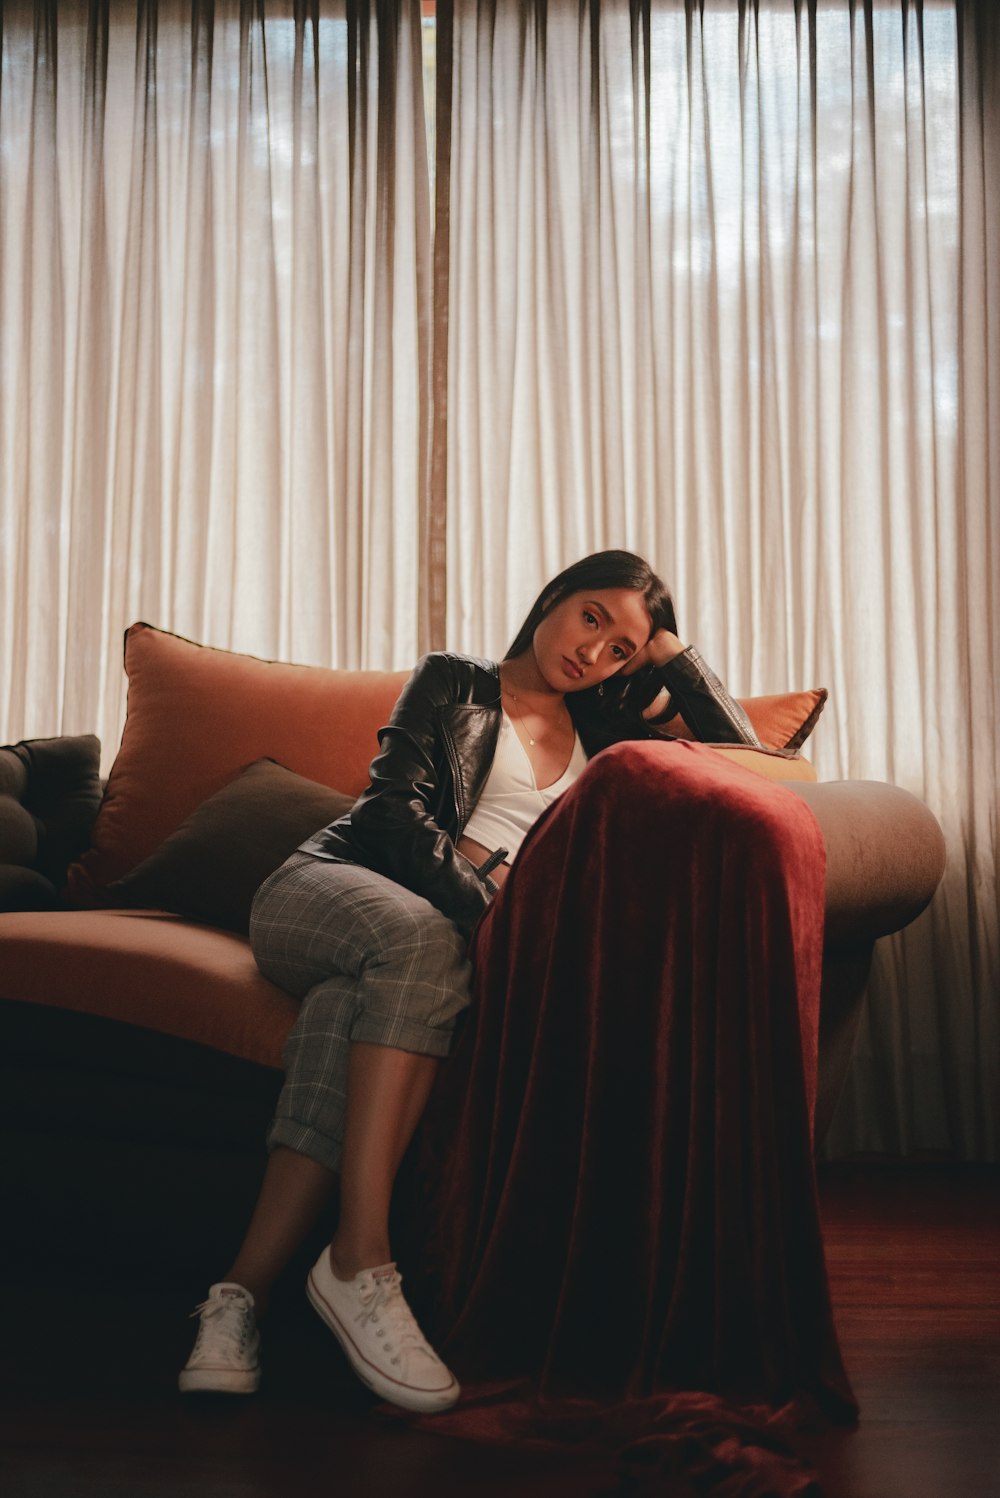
(658, 649)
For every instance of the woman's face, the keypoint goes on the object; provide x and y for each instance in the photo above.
(587, 637)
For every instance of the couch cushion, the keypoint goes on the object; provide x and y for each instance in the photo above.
(775, 764)
(197, 716)
(50, 790)
(211, 867)
(25, 889)
(154, 970)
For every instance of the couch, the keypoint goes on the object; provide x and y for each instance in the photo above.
(140, 1047)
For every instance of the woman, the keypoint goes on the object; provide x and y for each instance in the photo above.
(368, 923)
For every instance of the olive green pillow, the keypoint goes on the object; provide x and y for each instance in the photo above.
(211, 867)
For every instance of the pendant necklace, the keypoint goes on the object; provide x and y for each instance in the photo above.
(513, 697)
(517, 711)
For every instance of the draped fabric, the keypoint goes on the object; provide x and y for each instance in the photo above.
(724, 288)
(214, 283)
(615, 1198)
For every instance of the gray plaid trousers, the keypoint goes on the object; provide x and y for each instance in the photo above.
(370, 961)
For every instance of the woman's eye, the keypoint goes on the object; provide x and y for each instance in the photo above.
(619, 653)
(590, 618)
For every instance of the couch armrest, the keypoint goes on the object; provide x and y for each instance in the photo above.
(884, 860)
(885, 856)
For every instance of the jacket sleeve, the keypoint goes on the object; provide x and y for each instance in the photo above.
(393, 821)
(695, 692)
(703, 702)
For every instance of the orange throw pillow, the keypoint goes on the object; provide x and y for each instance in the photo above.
(197, 716)
(783, 721)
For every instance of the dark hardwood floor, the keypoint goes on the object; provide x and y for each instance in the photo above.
(914, 1261)
(88, 1406)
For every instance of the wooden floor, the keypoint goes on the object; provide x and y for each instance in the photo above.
(89, 1410)
(914, 1261)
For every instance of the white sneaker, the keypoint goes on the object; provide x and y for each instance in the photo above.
(379, 1333)
(225, 1358)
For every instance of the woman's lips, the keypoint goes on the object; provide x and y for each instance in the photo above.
(572, 669)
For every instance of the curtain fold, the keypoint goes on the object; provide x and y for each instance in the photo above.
(723, 289)
(214, 339)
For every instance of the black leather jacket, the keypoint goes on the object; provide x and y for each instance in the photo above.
(436, 751)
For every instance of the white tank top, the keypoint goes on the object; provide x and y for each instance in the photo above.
(511, 801)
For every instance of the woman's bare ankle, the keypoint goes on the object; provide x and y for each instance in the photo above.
(260, 1293)
(348, 1260)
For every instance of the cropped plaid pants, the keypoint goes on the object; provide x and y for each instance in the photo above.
(371, 962)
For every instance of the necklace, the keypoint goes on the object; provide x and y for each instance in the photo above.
(513, 697)
(517, 712)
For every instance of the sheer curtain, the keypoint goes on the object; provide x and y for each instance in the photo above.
(723, 287)
(717, 281)
(214, 284)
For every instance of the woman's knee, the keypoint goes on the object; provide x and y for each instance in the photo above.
(327, 931)
(664, 788)
(416, 985)
(315, 919)
(416, 935)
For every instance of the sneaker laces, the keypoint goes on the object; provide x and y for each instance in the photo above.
(224, 1330)
(383, 1301)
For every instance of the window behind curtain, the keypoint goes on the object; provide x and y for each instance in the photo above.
(214, 279)
(721, 291)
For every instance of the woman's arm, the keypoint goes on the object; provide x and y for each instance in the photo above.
(393, 822)
(670, 677)
(702, 701)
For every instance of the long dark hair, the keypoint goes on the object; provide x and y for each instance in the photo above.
(603, 569)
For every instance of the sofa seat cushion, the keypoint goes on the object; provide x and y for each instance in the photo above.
(149, 969)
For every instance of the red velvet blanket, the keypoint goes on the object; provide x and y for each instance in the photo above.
(614, 1195)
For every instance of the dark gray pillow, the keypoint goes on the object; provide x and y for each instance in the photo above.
(211, 867)
(50, 790)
